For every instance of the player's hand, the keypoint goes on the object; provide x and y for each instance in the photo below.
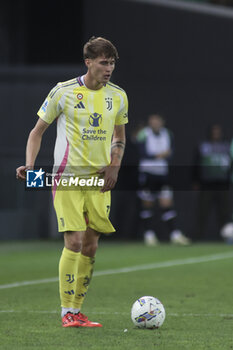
(110, 177)
(163, 155)
(21, 172)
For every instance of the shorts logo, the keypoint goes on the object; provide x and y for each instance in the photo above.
(35, 178)
(95, 119)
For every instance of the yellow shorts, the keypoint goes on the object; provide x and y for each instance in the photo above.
(77, 209)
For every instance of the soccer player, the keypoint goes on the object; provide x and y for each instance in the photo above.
(155, 148)
(91, 113)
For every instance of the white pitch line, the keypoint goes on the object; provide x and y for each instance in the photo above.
(169, 263)
(28, 283)
(116, 313)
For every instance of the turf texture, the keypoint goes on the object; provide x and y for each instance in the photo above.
(194, 283)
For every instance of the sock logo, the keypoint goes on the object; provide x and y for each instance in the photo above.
(70, 278)
(70, 292)
(87, 281)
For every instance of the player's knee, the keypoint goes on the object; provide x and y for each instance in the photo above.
(147, 204)
(166, 203)
(89, 248)
(73, 241)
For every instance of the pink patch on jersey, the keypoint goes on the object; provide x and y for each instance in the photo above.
(61, 169)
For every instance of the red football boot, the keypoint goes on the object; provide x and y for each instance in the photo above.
(68, 320)
(81, 320)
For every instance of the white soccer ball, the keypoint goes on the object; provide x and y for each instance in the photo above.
(148, 312)
(227, 231)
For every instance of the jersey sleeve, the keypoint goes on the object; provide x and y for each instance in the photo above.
(122, 115)
(51, 107)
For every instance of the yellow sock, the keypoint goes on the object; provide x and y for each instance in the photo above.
(85, 271)
(68, 267)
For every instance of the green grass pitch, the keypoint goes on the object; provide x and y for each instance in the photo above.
(197, 293)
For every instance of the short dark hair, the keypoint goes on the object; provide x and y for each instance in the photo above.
(96, 47)
(156, 115)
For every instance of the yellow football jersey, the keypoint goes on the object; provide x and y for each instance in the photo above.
(85, 124)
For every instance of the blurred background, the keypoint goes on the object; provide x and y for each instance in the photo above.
(175, 59)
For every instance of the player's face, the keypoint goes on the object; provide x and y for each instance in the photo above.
(101, 68)
(155, 122)
(216, 133)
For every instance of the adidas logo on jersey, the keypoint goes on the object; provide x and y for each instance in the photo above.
(80, 105)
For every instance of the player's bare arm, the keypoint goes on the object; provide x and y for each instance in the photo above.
(117, 152)
(32, 149)
(164, 155)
